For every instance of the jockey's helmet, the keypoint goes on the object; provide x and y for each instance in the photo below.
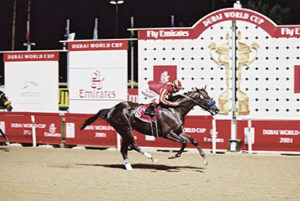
(177, 85)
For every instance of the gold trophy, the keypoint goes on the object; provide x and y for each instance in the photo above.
(223, 60)
(243, 60)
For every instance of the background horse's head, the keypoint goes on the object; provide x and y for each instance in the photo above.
(4, 102)
(201, 98)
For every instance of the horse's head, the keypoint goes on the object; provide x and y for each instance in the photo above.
(201, 98)
(4, 102)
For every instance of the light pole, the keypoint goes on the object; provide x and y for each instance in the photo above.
(116, 3)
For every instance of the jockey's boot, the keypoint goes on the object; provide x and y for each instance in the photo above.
(150, 111)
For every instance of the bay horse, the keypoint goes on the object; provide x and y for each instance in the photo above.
(5, 104)
(170, 122)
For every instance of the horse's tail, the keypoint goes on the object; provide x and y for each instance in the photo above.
(102, 114)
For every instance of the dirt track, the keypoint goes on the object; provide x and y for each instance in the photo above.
(64, 174)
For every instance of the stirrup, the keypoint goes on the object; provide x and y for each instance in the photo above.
(150, 111)
(154, 128)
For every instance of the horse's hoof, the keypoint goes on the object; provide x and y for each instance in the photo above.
(205, 163)
(154, 160)
(149, 156)
(174, 156)
(127, 165)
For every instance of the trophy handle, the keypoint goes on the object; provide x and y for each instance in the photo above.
(212, 46)
(255, 47)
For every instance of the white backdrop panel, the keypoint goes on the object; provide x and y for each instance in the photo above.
(96, 79)
(32, 85)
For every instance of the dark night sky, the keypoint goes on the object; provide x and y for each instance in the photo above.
(48, 18)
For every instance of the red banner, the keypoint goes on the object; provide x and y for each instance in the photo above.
(272, 135)
(217, 17)
(100, 133)
(133, 95)
(165, 73)
(199, 128)
(98, 45)
(18, 126)
(30, 56)
(297, 79)
(50, 128)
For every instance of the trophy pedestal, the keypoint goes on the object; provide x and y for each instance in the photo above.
(243, 103)
(223, 102)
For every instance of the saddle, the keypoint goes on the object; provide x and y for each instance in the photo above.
(140, 114)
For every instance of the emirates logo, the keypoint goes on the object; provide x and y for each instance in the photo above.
(97, 80)
(96, 89)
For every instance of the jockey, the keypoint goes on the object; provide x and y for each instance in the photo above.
(164, 90)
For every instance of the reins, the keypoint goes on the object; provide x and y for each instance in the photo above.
(189, 98)
(209, 104)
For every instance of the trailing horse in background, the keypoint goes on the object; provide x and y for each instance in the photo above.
(170, 122)
(4, 104)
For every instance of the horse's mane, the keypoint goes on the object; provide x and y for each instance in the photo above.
(178, 97)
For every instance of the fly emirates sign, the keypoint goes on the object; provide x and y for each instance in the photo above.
(165, 33)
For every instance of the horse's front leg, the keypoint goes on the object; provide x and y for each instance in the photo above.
(195, 143)
(135, 147)
(5, 137)
(174, 137)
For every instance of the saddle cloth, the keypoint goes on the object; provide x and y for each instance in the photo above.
(140, 114)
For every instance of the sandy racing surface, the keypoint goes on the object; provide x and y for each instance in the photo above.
(88, 175)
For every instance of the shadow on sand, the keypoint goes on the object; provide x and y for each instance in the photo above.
(4, 149)
(157, 167)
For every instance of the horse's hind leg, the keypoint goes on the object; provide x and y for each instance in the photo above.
(195, 143)
(174, 137)
(135, 147)
(124, 152)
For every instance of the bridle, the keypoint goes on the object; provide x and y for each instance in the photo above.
(210, 103)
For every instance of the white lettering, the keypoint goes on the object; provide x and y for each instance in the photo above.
(117, 45)
(206, 139)
(281, 132)
(194, 130)
(105, 128)
(90, 128)
(15, 125)
(256, 20)
(102, 135)
(212, 19)
(80, 46)
(152, 34)
(15, 56)
(290, 31)
(240, 15)
(52, 134)
(286, 140)
(163, 33)
(270, 132)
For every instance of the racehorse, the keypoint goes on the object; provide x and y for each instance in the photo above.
(4, 104)
(170, 122)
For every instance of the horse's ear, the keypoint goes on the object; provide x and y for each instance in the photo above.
(205, 87)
